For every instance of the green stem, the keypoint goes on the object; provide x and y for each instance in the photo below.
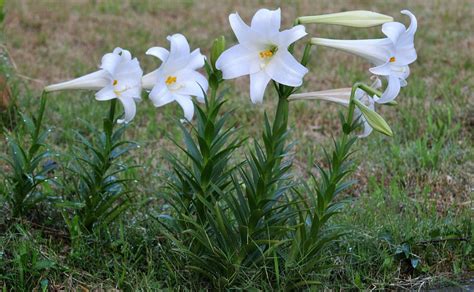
(351, 109)
(112, 110)
(350, 112)
(213, 96)
(109, 124)
(281, 117)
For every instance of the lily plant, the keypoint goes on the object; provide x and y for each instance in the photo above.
(230, 213)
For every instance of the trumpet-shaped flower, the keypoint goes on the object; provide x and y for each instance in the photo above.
(119, 77)
(391, 55)
(342, 96)
(262, 53)
(177, 79)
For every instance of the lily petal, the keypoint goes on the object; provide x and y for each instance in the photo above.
(367, 129)
(159, 52)
(160, 95)
(196, 85)
(110, 62)
(243, 33)
(106, 93)
(289, 36)
(393, 30)
(187, 104)
(413, 24)
(258, 84)
(196, 60)
(406, 55)
(129, 71)
(238, 61)
(125, 54)
(129, 108)
(150, 79)
(133, 91)
(266, 21)
(406, 46)
(284, 69)
(178, 45)
(383, 70)
(179, 52)
(401, 72)
(392, 90)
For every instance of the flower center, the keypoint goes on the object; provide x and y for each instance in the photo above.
(170, 80)
(392, 60)
(116, 90)
(268, 53)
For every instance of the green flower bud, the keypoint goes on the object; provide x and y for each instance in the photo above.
(218, 46)
(374, 119)
(356, 18)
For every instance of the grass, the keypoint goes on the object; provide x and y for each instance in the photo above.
(410, 215)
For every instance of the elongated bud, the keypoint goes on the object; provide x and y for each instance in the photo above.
(390, 103)
(218, 46)
(374, 119)
(356, 18)
(340, 95)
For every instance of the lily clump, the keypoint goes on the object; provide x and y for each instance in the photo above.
(227, 214)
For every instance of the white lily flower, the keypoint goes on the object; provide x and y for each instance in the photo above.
(390, 55)
(119, 77)
(342, 96)
(262, 53)
(177, 79)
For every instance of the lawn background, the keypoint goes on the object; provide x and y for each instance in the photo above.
(414, 190)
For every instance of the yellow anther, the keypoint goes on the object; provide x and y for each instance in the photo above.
(115, 82)
(392, 59)
(266, 54)
(170, 80)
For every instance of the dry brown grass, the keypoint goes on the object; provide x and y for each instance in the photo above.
(55, 40)
(50, 41)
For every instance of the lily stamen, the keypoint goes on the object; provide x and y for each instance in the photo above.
(170, 80)
(266, 54)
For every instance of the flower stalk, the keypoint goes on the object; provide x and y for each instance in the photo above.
(102, 194)
(109, 124)
(352, 102)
